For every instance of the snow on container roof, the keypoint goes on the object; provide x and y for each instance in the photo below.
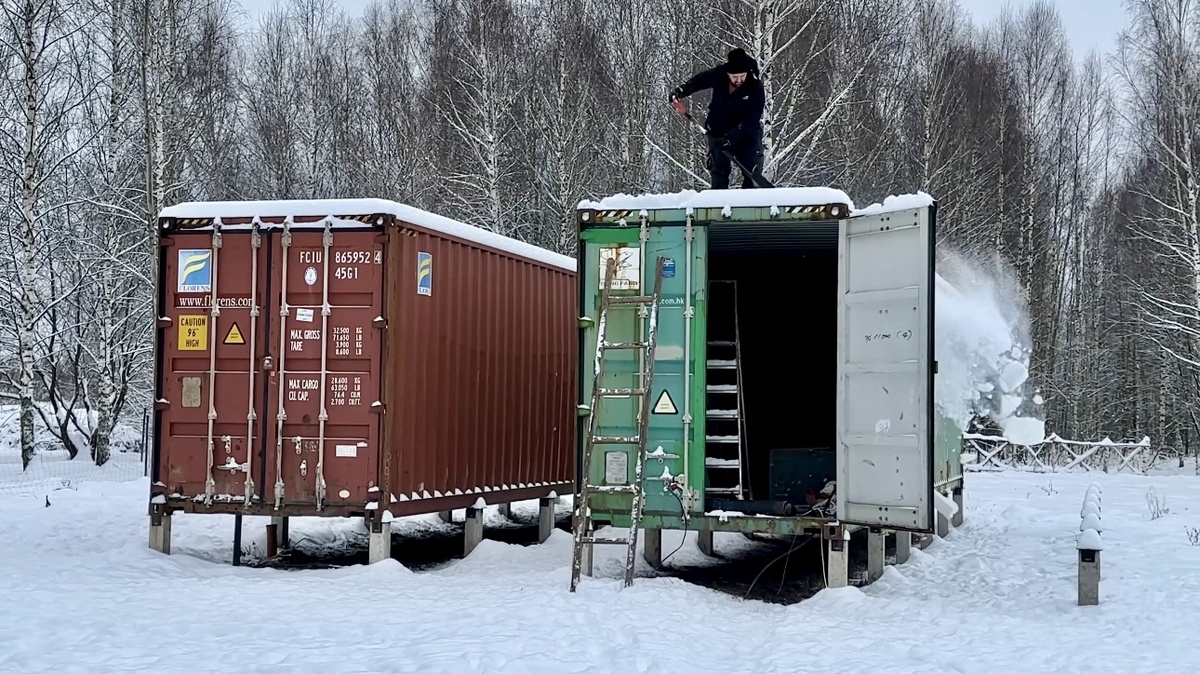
(760, 198)
(896, 202)
(321, 208)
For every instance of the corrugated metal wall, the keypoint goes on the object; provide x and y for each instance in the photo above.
(484, 393)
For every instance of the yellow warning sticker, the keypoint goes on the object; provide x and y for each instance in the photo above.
(193, 333)
(665, 405)
(234, 336)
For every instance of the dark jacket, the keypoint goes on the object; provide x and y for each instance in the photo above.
(730, 114)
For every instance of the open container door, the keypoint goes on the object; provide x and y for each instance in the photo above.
(885, 369)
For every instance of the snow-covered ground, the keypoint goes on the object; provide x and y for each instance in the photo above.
(82, 592)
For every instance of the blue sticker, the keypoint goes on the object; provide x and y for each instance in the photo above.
(424, 273)
(668, 268)
(195, 271)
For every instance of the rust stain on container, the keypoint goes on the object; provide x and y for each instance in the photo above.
(381, 355)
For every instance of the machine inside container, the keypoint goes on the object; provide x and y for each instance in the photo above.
(784, 281)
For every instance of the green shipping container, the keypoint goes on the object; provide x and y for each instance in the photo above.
(795, 349)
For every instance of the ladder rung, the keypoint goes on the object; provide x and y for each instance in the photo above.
(722, 414)
(625, 345)
(622, 391)
(598, 540)
(615, 440)
(631, 299)
(613, 488)
(723, 490)
(722, 364)
(723, 466)
(723, 388)
(720, 343)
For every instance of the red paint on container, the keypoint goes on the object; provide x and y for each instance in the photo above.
(443, 358)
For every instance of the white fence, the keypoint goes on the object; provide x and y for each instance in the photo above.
(1054, 454)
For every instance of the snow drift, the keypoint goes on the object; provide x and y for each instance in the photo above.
(982, 346)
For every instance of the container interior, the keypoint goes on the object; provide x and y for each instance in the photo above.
(784, 281)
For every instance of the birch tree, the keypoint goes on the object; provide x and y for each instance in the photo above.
(42, 91)
(1158, 64)
(573, 83)
(482, 107)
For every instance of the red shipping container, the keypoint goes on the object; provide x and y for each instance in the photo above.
(363, 356)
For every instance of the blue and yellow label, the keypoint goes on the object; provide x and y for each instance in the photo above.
(195, 271)
(424, 273)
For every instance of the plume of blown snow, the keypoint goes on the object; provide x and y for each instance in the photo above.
(982, 346)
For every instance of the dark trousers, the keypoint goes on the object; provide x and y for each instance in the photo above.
(747, 150)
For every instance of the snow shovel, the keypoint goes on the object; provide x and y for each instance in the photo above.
(677, 106)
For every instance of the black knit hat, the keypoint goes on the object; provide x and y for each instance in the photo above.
(741, 62)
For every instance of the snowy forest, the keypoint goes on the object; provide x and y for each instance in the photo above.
(505, 113)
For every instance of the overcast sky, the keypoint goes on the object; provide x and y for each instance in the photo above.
(1089, 23)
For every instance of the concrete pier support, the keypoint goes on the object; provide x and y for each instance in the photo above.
(876, 539)
(943, 525)
(160, 532)
(837, 545)
(904, 542)
(380, 545)
(473, 531)
(652, 547)
(545, 518)
(1089, 577)
(957, 520)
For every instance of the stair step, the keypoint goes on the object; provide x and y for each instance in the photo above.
(722, 364)
(721, 439)
(722, 463)
(622, 392)
(723, 388)
(722, 343)
(722, 414)
(723, 490)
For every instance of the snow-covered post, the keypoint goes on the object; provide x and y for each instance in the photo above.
(473, 526)
(1088, 544)
(945, 509)
(379, 527)
(546, 517)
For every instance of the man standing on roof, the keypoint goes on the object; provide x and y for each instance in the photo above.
(734, 122)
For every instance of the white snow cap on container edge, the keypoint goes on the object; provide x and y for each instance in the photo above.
(896, 202)
(780, 196)
(336, 207)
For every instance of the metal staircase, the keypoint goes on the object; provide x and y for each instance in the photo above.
(725, 426)
(584, 537)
